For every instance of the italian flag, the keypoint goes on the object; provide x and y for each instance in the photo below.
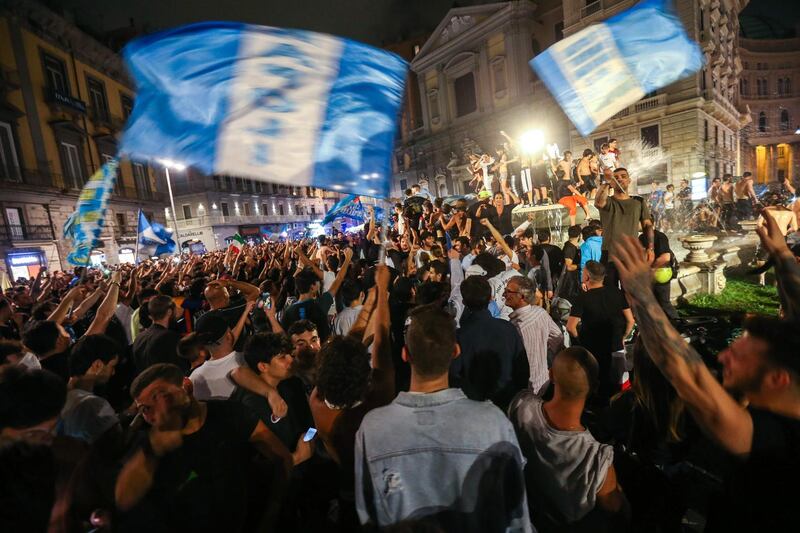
(237, 239)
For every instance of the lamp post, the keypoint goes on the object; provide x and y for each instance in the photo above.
(179, 167)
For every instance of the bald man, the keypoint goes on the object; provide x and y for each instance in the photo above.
(569, 474)
(219, 299)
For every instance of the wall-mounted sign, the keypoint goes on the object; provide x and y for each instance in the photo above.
(25, 259)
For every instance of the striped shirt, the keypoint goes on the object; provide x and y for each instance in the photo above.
(539, 333)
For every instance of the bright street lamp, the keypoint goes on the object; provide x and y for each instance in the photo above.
(532, 141)
(797, 131)
(179, 167)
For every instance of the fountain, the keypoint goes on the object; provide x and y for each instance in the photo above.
(697, 246)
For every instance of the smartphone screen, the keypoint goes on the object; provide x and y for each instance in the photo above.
(309, 434)
(266, 301)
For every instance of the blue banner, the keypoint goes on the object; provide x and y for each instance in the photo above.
(153, 238)
(606, 67)
(85, 224)
(287, 106)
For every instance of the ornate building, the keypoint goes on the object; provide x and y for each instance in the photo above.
(695, 122)
(473, 80)
(64, 97)
(769, 87)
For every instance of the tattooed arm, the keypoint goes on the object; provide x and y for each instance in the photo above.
(714, 409)
(787, 269)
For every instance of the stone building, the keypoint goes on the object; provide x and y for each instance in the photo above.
(64, 97)
(473, 80)
(694, 123)
(768, 86)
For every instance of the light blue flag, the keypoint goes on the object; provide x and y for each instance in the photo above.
(287, 106)
(348, 207)
(154, 239)
(85, 224)
(606, 67)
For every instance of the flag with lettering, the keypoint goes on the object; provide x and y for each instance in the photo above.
(85, 224)
(606, 67)
(286, 106)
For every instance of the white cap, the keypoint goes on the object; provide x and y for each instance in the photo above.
(474, 270)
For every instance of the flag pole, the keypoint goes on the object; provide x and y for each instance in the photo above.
(136, 253)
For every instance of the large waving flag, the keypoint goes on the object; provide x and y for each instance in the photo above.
(154, 238)
(608, 66)
(351, 208)
(288, 106)
(85, 224)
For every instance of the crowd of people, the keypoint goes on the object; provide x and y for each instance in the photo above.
(447, 372)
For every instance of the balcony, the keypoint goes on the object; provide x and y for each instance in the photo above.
(63, 101)
(591, 8)
(242, 220)
(644, 104)
(13, 176)
(132, 193)
(26, 232)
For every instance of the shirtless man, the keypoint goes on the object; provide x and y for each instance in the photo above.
(587, 171)
(745, 197)
(727, 212)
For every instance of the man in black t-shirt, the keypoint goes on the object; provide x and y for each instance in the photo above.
(269, 355)
(663, 259)
(605, 320)
(555, 256)
(761, 367)
(188, 472)
(231, 308)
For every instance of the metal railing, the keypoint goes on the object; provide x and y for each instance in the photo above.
(132, 193)
(26, 232)
(17, 176)
(213, 220)
(592, 8)
(644, 104)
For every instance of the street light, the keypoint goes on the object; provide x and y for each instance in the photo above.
(179, 167)
(532, 141)
(797, 131)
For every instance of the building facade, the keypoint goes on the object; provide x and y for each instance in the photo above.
(63, 99)
(471, 81)
(772, 139)
(474, 81)
(693, 124)
(211, 209)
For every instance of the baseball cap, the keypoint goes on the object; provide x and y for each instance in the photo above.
(474, 270)
(211, 327)
(484, 194)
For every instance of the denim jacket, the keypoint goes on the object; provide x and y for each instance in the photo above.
(441, 456)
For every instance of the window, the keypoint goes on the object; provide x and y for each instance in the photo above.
(433, 104)
(716, 134)
(499, 74)
(403, 185)
(141, 179)
(71, 165)
(56, 74)
(227, 182)
(280, 209)
(787, 86)
(264, 210)
(558, 30)
(703, 80)
(9, 166)
(127, 105)
(313, 210)
(14, 217)
(247, 209)
(762, 88)
(535, 46)
(97, 97)
(224, 208)
(650, 136)
(762, 122)
(464, 88)
(781, 151)
(258, 186)
(781, 175)
(187, 211)
(743, 88)
(784, 120)
(705, 130)
(122, 223)
(716, 169)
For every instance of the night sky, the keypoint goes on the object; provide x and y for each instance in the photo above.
(372, 21)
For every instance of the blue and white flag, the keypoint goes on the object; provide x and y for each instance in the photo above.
(353, 209)
(153, 238)
(608, 66)
(85, 224)
(285, 106)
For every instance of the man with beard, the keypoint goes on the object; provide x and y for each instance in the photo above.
(189, 471)
(762, 366)
(159, 342)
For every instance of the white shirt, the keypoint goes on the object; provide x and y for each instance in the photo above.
(539, 333)
(30, 361)
(345, 320)
(86, 416)
(212, 381)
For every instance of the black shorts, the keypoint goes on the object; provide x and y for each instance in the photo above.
(539, 176)
(589, 183)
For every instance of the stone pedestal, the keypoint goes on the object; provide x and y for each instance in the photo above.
(697, 246)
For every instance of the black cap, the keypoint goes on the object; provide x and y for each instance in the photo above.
(211, 327)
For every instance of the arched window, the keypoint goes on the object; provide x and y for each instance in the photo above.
(784, 120)
(762, 122)
(743, 88)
